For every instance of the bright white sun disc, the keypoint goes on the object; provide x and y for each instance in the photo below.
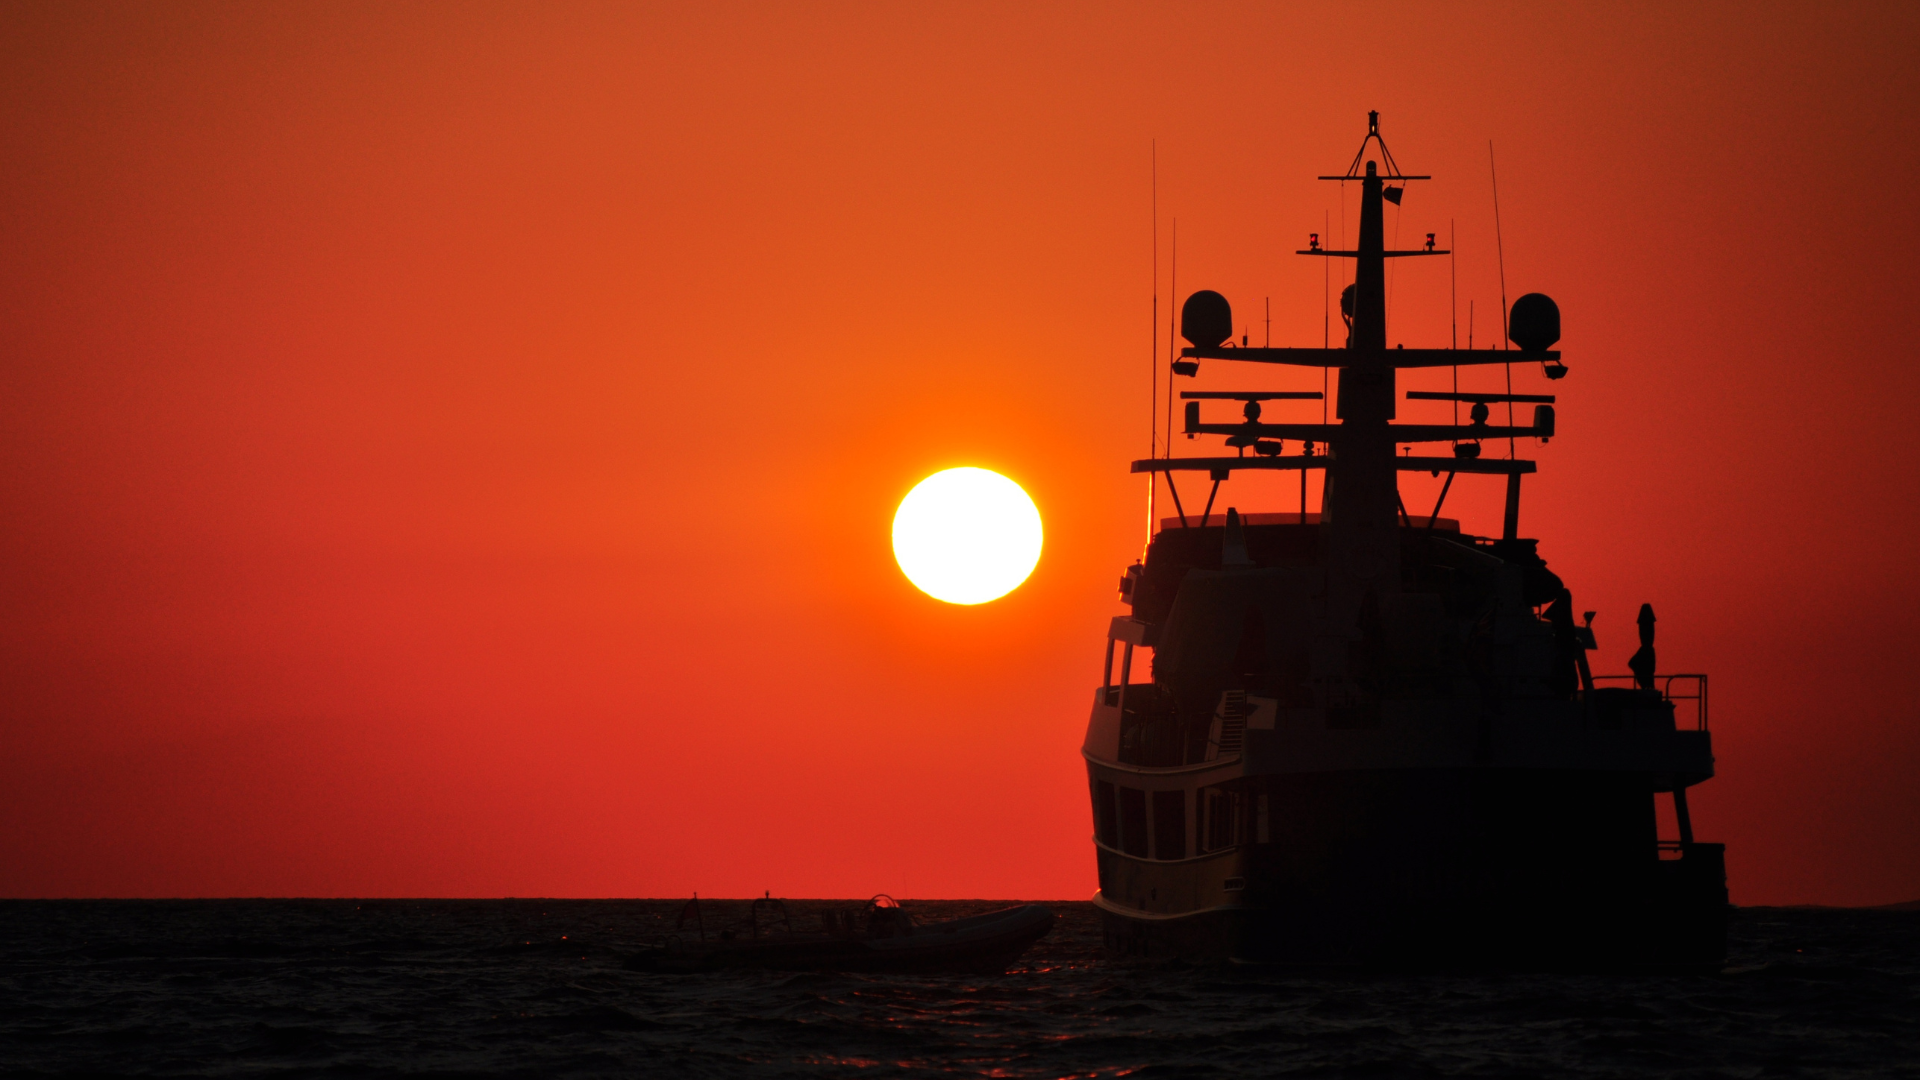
(966, 536)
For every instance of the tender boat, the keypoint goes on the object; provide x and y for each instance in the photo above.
(880, 936)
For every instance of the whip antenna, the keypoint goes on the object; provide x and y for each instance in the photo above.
(1500, 249)
(1153, 332)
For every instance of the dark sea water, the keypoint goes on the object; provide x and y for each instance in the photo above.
(536, 988)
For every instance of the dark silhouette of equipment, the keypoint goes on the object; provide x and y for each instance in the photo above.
(1566, 672)
(1206, 319)
(1534, 323)
(690, 911)
(1642, 663)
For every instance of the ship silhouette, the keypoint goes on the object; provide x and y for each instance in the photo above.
(1370, 738)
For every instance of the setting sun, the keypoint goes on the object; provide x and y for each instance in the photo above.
(966, 536)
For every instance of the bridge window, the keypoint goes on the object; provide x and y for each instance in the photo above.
(1133, 822)
(1221, 818)
(1169, 824)
(1106, 816)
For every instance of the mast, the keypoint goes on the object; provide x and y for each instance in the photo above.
(1362, 498)
(1361, 509)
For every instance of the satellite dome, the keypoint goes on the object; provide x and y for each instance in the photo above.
(1534, 323)
(1206, 319)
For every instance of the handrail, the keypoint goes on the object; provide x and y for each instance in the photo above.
(1665, 684)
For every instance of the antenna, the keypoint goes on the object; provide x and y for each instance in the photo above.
(1501, 248)
(1173, 303)
(1453, 303)
(1393, 276)
(1343, 238)
(1153, 332)
(1326, 323)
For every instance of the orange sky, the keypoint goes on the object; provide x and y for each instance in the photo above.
(450, 450)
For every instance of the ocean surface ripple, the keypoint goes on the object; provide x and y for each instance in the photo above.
(436, 988)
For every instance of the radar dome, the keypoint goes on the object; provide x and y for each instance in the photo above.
(1206, 319)
(1534, 323)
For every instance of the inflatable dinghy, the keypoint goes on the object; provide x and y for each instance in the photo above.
(879, 937)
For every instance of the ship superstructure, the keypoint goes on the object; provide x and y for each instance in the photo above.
(1369, 737)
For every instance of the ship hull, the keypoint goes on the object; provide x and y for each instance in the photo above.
(1431, 869)
(1677, 932)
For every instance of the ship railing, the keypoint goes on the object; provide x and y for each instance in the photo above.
(1676, 688)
